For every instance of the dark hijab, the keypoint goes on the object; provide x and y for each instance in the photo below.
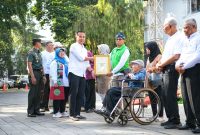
(154, 50)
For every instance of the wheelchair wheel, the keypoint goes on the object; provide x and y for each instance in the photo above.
(122, 120)
(139, 108)
(109, 120)
(141, 103)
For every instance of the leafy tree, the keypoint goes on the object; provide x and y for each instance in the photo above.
(13, 20)
(102, 21)
(60, 15)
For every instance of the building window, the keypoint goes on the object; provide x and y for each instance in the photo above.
(195, 6)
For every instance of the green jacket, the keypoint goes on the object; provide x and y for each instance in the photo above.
(116, 55)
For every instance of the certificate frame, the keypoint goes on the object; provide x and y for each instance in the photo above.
(102, 64)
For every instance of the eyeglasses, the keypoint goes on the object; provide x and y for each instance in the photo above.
(119, 39)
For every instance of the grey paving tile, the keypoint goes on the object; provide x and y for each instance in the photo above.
(13, 121)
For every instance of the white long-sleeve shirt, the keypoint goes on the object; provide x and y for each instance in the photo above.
(77, 63)
(122, 61)
(47, 58)
(53, 75)
(190, 54)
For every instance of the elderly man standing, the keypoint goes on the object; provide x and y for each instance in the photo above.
(36, 78)
(78, 64)
(188, 65)
(48, 56)
(170, 55)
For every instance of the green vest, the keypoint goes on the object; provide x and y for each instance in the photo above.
(116, 55)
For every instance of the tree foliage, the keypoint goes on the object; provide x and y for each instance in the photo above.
(13, 19)
(60, 15)
(100, 19)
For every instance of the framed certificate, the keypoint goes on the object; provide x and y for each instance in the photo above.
(101, 64)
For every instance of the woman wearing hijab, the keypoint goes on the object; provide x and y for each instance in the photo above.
(90, 94)
(154, 55)
(59, 77)
(103, 81)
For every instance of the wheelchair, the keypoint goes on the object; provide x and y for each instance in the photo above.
(134, 104)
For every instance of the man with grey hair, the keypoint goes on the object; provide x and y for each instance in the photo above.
(48, 56)
(188, 65)
(170, 55)
(114, 93)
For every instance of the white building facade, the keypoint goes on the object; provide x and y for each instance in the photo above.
(157, 10)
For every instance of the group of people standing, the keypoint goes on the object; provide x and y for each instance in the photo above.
(52, 67)
(181, 57)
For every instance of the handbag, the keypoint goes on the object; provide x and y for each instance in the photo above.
(57, 93)
(155, 79)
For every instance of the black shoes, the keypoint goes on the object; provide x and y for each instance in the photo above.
(31, 115)
(35, 114)
(39, 114)
(47, 109)
(166, 123)
(173, 126)
(186, 127)
(77, 118)
(196, 130)
(89, 111)
(101, 111)
(73, 118)
(80, 117)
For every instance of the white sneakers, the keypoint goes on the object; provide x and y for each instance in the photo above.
(161, 119)
(59, 115)
(65, 114)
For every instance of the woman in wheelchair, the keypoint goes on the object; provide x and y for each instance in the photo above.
(114, 93)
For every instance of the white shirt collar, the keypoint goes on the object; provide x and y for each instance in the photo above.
(192, 35)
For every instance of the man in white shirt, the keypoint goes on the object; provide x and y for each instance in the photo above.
(170, 55)
(78, 63)
(48, 56)
(188, 65)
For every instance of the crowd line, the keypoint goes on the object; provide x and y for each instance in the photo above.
(53, 73)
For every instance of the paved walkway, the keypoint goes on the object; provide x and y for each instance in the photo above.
(13, 121)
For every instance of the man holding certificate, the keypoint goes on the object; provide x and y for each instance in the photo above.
(78, 63)
(119, 58)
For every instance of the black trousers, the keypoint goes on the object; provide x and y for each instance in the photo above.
(59, 105)
(190, 84)
(90, 94)
(170, 82)
(76, 95)
(112, 97)
(35, 93)
(45, 96)
(158, 90)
